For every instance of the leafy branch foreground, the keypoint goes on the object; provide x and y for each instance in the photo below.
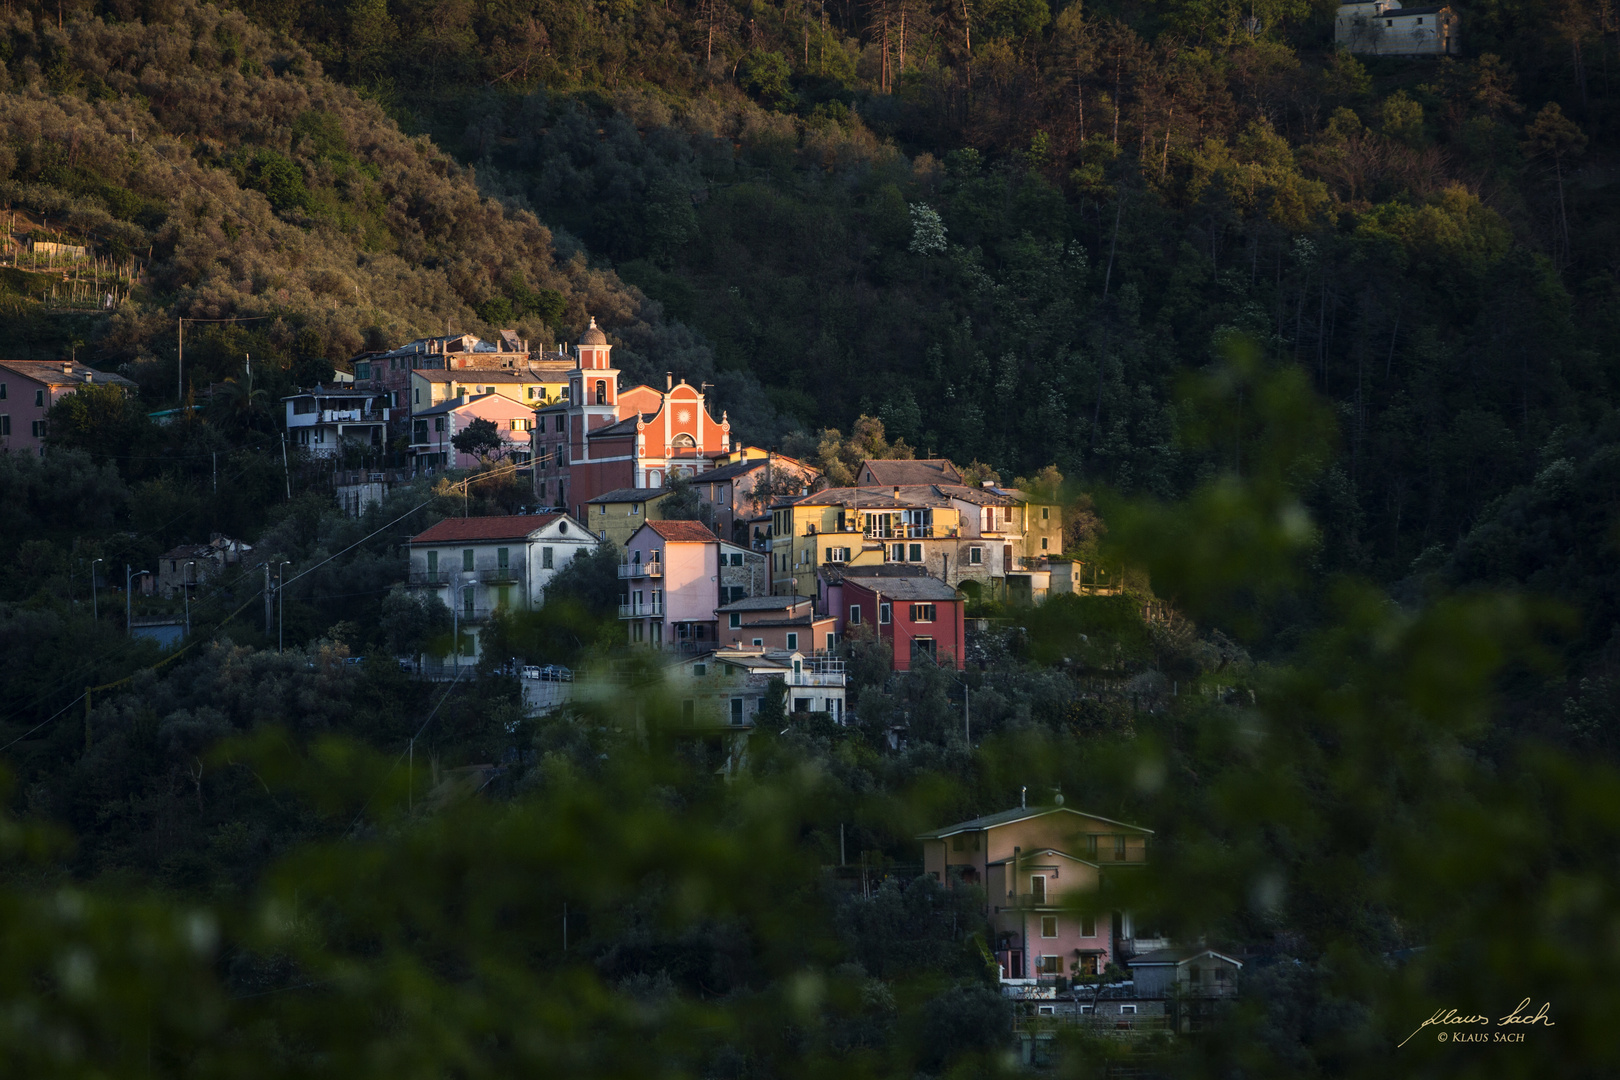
(1369, 828)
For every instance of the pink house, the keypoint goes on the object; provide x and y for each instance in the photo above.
(28, 389)
(1042, 871)
(432, 429)
(671, 582)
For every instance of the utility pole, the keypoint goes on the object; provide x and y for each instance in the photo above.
(129, 606)
(180, 367)
(281, 624)
(186, 587)
(269, 600)
(95, 605)
(286, 470)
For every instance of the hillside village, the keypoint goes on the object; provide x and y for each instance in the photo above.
(745, 579)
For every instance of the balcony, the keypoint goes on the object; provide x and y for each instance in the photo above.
(338, 416)
(901, 532)
(653, 609)
(1067, 1015)
(500, 575)
(640, 570)
(815, 678)
(428, 577)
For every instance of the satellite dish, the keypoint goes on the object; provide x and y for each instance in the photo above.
(1058, 799)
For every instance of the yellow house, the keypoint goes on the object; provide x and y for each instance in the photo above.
(616, 515)
(535, 387)
(853, 527)
(745, 453)
(955, 532)
(1037, 524)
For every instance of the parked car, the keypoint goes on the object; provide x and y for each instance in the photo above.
(532, 671)
(556, 673)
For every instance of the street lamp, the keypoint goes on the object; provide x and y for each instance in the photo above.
(95, 607)
(129, 606)
(281, 631)
(185, 587)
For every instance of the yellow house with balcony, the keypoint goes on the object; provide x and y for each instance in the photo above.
(954, 532)
(855, 527)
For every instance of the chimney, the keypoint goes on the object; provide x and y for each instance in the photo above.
(669, 380)
(89, 377)
(67, 368)
(1023, 798)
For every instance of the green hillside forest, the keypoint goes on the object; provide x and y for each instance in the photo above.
(1321, 353)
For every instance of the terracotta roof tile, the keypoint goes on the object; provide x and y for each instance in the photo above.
(689, 531)
(509, 527)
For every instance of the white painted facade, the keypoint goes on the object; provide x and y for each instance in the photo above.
(1386, 28)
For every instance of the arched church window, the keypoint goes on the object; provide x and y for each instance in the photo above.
(683, 441)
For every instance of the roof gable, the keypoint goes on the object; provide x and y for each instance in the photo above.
(1008, 817)
(1024, 857)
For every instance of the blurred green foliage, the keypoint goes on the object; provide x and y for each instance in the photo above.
(368, 875)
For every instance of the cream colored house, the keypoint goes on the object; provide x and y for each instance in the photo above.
(1386, 28)
(1042, 870)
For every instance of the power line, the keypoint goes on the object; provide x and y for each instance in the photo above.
(411, 745)
(171, 658)
(42, 723)
(357, 543)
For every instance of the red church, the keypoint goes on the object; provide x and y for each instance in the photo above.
(600, 438)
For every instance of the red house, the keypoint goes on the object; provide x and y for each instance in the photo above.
(920, 617)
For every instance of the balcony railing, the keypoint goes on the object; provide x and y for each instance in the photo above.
(429, 577)
(499, 575)
(638, 570)
(645, 610)
(901, 532)
(1064, 1016)
(815, 678)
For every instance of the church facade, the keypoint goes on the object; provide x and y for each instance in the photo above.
(600, 438)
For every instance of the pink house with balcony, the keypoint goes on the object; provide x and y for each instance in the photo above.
(1043, 870)
(670, 582)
